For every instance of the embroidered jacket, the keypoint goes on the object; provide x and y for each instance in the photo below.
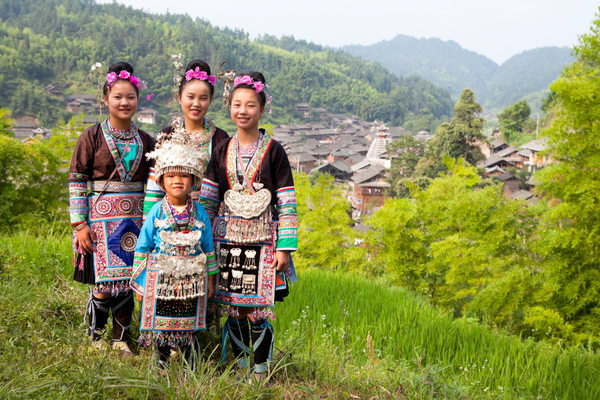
(94, 160)
(154, 193)
(269, 166)
(151, 241)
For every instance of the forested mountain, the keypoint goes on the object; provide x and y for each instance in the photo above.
(525, 74)
(58, 40)
(455, 68)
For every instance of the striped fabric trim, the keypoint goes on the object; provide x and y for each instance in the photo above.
(78, 207)
(287, 208)
(78, 177)
(154, 194)
(211, 262)
(209, 197)
(139, 264)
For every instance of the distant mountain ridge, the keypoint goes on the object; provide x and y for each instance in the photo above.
(455, 68)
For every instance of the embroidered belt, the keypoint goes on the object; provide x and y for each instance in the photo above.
(116, 186)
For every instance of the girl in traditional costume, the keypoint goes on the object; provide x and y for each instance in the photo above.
(194, 91)
(249, 191)
(106, 188)
(174, 259)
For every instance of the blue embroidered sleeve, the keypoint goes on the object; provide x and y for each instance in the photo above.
(145, 245)
(206, 242)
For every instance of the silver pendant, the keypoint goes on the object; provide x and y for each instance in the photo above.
(250, 263)
(236, 280)
(249, 284)
(235, 258)
(247, 205)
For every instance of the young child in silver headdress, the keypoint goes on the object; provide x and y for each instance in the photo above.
(174, 259)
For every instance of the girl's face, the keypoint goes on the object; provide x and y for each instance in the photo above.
(246, 109)
(195, 100)
(178, 185)
(121, 100)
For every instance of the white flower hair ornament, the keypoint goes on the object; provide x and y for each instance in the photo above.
(175, 152)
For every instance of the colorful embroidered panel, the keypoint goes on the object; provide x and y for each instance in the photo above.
(287, 209)
(253, 165)
(265, 281)
(150, 318)
(136, 146)
(116, 220)
(209, 197)
(77, 198)
(154, 193)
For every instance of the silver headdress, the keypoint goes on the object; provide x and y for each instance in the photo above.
(177, 78)
(176, 152)
(228, 79)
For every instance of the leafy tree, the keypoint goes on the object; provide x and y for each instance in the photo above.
(465, 248)
(6, 123)
(326, 239)
(31, 185)
(513, 118)
(570, 240)
(458, 138)
(548, 102)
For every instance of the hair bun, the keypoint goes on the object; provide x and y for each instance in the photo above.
(256, 76)
(120, 66)
(197, 63)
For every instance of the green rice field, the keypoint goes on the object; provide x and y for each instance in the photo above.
(338, 336)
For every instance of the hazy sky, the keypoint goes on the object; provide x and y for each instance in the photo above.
(498, 29)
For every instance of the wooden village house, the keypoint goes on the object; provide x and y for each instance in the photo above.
(147, 115)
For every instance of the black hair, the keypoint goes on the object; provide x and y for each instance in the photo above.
(118, 67)
(203, 66)
(256, 77)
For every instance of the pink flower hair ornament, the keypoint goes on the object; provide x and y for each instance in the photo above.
(247, 80)
(200, 75)
(257, 85)
(112, 77)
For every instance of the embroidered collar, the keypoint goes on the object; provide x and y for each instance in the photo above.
(114, 151)
(253, 165)
(169, 214)
(205, 137)
(126, 134)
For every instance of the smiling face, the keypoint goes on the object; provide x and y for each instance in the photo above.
(122, 101)
(246, 109)
(177, 185)
(195, 100)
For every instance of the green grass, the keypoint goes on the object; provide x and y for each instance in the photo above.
(396, 346)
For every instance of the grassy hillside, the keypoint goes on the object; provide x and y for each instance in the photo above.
(339, 336)
(58, 40)
(455, 68)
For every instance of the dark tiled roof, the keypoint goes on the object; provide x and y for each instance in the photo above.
(342, 166)
(507, 176)
(367, 174)
(521, 194)
(497, 143)
(491, 160)
(301, 157)
(506, 152)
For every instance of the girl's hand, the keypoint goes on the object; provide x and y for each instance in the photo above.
(281, 260)
(139, 297)
(211, 290)
(85, 240)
